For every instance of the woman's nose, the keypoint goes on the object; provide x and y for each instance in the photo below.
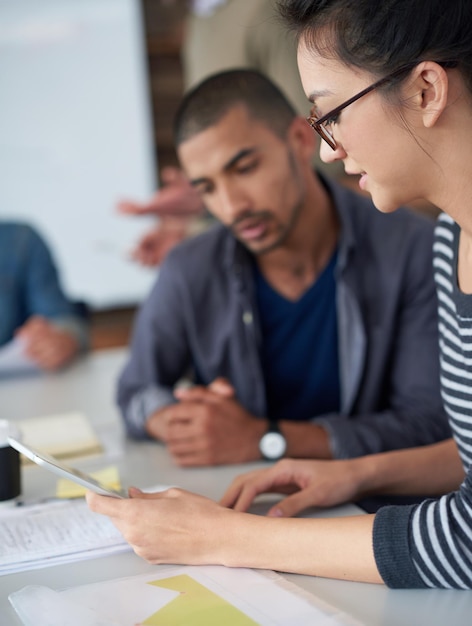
(328, 155)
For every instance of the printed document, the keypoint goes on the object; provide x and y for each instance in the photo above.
(54, 532)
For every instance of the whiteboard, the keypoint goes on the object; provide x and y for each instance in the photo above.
(76, 136)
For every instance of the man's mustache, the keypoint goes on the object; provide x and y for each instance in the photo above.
(250, 216)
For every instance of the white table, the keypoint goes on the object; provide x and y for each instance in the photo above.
(89, 386)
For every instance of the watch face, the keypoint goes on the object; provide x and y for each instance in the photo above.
(273, 445)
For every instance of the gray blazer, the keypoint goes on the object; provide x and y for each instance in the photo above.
(201, 316)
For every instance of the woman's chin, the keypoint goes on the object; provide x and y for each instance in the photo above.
(383, 204)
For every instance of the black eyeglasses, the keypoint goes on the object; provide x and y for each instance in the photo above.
(321, 124)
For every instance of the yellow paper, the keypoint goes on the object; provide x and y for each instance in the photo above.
(195, 605)
(108, 476)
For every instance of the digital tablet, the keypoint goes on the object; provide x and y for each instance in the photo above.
(54, 465)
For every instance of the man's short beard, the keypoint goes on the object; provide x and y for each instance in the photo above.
(295, 210)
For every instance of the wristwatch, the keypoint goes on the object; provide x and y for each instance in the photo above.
(272, 444)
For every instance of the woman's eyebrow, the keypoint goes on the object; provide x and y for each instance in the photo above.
(319, 94)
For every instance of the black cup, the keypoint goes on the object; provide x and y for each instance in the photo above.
(10, 478)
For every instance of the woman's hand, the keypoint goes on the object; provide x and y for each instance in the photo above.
(309, 483)
(172, 526)
(176, 526)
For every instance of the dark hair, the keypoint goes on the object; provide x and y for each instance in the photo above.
(381, 36)
(209, 101)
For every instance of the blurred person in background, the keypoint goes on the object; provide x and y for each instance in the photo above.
(33, 307)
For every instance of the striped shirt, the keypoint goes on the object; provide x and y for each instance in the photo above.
(430, 545)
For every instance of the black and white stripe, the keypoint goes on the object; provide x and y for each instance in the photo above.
(441, 530)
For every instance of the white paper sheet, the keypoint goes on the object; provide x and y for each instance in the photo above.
(56, 532)
(181, 595)
(13, 360)
(53, 532)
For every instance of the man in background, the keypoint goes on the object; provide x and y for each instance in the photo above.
(305, 321)
(219, 35)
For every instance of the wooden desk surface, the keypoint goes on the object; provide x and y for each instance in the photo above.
(89, 386)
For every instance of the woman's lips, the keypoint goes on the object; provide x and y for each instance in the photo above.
(363, 181)
(362, 178)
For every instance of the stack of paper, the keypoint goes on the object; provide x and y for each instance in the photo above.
(55, 532)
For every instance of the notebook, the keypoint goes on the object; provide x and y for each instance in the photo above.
(63, 436)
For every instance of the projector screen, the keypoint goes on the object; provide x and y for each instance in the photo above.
(76, 136)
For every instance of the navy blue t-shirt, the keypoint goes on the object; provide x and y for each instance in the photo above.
(300, 348)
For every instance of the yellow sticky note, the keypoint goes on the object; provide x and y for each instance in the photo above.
(109, 476)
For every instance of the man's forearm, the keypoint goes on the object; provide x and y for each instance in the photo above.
(384, 431)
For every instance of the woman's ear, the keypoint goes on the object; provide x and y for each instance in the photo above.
(433, 83)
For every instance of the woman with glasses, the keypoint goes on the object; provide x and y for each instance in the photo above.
(391, 87)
